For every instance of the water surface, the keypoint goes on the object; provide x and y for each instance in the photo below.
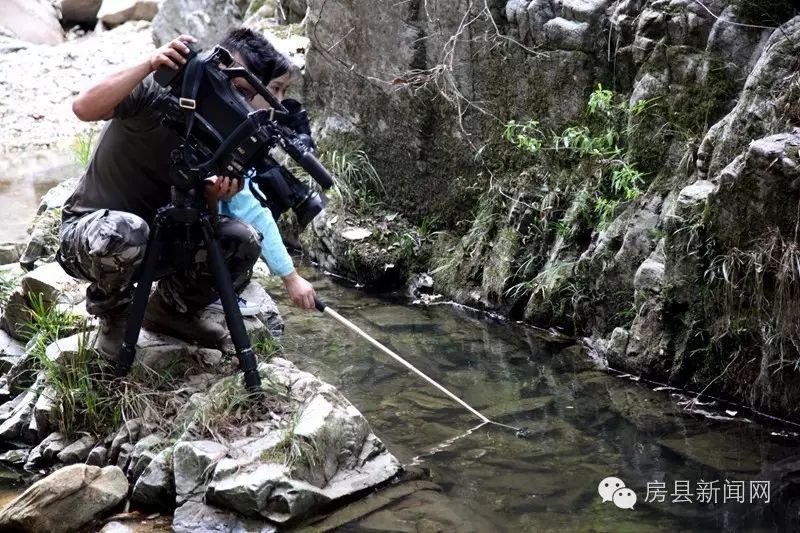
(585, 424)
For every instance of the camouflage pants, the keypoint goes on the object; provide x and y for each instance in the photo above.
(107, 247)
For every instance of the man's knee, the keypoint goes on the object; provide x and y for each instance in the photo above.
(114, 240)
(238, 239)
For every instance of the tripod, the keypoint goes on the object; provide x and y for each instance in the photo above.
(186, 209)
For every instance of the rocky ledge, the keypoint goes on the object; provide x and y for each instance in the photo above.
(180, 433)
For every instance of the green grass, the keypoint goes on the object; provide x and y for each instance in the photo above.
(358, 184)
(82, 148)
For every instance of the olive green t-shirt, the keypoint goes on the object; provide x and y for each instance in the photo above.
(129, 168)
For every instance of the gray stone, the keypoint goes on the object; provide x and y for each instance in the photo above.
(78, 451)
(16, 425)
(33, 21)
(9, 253)
(566, 34)
(16, 316)
(618, 343)
(43, 241)
(115, 12)
(44, 453)
(262, 489)
(649, 275)
(65, 500)
(156, 485)
(197, 517)
(124, 456)
(54, 285)
(143, 452)
(208, 21)
(80, 10)
(128, 433)
(117, 527)
(46, 411)
(58, 195)
(193, 463)
(15, 457)
(97, 457)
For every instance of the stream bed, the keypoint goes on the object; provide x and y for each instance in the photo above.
(585, 424)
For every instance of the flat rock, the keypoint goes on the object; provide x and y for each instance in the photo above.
(196, 517)
(65, 500)
(78, 451)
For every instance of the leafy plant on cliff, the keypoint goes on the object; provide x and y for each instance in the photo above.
(599, 142)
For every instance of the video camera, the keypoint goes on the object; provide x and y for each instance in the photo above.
(223, 135)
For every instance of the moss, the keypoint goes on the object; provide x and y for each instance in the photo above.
(499, 261)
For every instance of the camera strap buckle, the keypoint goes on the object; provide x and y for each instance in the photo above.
(187, 103)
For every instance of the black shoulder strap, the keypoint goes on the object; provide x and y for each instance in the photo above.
(191, 84)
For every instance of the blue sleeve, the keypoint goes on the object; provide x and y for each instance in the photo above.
(244, 206)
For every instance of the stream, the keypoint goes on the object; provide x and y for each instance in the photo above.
(585, 424)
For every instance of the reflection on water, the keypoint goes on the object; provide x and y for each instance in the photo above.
(585, 425)
(24, 178)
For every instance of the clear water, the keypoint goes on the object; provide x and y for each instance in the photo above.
(584, 424)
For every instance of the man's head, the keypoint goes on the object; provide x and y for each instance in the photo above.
(258, 56)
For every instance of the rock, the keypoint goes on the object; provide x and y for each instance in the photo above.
(124, 456)
(44, 453)
(15, 426)
(66, 499)
(46, 411)
(58, 195)
(649, 275)
(15, 457)
(43, 241)
(54, 285)
(33, 21)
(268, 312)
(208, 21)
(115, 12)
(262, 489)
(80, 10)
(11, 351)
(618, 344)
(156, 486)
(16, 316)
(197, 517)
(162, 353)
(143, 453)
(117, 527)
(356, 234)
(78, 451)
(127, 434)
(192, 464)
(97, 457)
(9, 253)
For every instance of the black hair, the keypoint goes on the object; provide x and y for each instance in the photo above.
(258, 55)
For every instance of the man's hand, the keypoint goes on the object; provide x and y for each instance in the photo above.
(221, 188)
(300, 291)
(172, 54)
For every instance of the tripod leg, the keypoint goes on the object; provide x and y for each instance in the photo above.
(139, 304)
(233, 316)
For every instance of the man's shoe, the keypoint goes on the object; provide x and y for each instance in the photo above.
(245, 307)
(109, 335)
(160, 317)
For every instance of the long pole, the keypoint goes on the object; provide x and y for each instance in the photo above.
(325, 309)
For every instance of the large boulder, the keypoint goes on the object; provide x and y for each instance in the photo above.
(34, 21)
(65, 500)
(207, 20)
(80, 10)
(115, 12)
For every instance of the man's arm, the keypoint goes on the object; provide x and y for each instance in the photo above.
(99, 101)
